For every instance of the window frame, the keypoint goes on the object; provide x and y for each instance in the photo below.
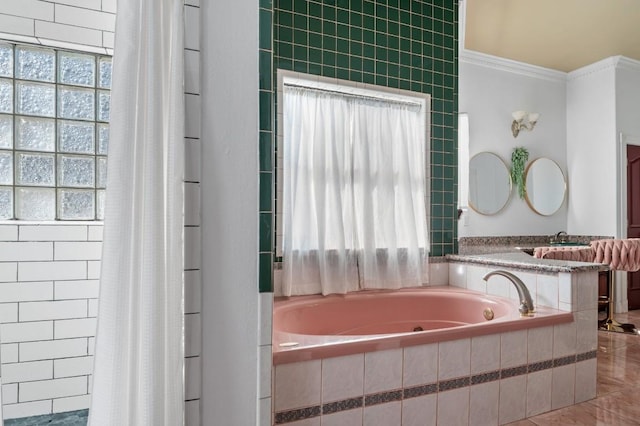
(345, 87)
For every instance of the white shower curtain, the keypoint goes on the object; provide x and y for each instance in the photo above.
(139, 362)
(354, 193)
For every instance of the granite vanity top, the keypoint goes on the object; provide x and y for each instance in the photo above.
(515, 243)
(526, 262)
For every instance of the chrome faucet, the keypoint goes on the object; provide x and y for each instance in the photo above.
(526, 303)
(560, 237)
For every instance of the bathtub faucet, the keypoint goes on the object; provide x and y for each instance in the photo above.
(526, 303)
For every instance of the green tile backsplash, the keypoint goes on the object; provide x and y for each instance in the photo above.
(406, 44)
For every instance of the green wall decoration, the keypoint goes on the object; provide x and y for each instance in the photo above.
(519, 158)
(405, 44)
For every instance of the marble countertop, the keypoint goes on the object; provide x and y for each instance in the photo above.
(514, 243)
(524, 261)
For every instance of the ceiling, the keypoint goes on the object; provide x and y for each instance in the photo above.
(559, 34)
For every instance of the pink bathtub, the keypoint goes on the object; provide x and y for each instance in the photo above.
(315, 327)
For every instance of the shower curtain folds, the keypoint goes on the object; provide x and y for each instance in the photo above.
(139, 355)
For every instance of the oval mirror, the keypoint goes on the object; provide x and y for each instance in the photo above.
(545, 186)
(489, 183)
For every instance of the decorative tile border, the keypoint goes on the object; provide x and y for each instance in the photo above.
(345, 404)
(586, 355)
(382, 397)
(297, 414)
(539, 366)
(566, 360)
(513, 371)
(426, 389)
(453, 384)
(421, 390)
(485, 377)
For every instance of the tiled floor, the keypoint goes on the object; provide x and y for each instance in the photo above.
(71, 418)
(618, 381)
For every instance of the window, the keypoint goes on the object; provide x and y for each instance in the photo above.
(354, 189)
(54, 133)
(463, 162)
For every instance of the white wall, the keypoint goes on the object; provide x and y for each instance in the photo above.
(53, 382)
(628, 125)
(230, 296)
(591, 149)
(490, 90)
(628, 96)
(582, 114)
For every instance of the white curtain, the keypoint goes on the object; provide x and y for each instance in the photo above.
(354, 193)
(139, 362)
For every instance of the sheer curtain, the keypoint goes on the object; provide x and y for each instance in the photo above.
(139, 362)
(354, 193)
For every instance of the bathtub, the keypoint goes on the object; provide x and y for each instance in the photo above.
(317, 327)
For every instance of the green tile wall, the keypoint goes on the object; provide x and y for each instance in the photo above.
(266, 148)
(406, 44)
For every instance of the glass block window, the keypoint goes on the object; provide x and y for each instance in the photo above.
(54, 133)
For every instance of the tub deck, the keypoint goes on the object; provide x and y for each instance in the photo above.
(316, 327)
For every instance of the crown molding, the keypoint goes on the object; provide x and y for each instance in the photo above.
(628, 64)
(528, 70)
(509, 65)
(609, 63)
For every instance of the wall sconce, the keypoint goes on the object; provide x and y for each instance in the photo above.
(523, 120)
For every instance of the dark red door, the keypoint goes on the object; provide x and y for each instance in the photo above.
(633, 215)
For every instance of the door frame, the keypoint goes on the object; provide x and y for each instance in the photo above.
(621, 302)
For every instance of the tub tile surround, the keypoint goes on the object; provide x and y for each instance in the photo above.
(553, 286)
(266, 373)
(498, 378)
(301, 394)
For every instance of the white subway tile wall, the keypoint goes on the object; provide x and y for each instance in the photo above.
(79, 22)
(49, 273)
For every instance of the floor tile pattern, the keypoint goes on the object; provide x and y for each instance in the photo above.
(70, 418)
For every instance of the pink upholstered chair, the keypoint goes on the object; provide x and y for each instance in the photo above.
(573, 253)
(620, 255)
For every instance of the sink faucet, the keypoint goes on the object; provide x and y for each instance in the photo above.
(526, 303)
(559, 237)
